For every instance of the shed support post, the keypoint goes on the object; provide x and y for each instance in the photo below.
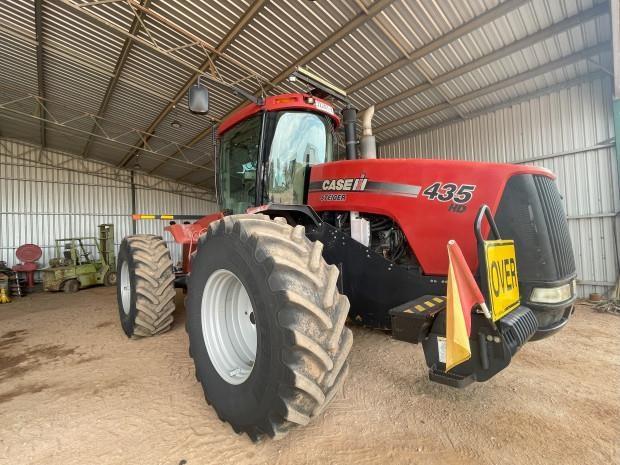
(615, 32)
(615, 54)
(133, 203)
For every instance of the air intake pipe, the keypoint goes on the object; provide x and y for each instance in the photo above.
(349, 118)
(368, 143)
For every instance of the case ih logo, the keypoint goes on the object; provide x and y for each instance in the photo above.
(362, 184)
(345, 184)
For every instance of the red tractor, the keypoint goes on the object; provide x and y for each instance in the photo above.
(305, 241)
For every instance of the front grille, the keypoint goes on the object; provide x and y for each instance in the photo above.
(557, 227)
(531, 214)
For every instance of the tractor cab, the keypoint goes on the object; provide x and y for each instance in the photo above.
(266, 150)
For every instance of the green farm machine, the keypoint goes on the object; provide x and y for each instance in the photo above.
(73, 267)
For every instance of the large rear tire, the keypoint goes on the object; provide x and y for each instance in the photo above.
(145, 286)
(271, 274)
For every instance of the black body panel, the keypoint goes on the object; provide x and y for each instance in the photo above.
(373, 284)
(531, 213)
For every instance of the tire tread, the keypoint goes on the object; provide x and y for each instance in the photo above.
(154, 285)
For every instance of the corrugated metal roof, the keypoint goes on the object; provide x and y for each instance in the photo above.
(397, 46)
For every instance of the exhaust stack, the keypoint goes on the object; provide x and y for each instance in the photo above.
(368, 143)
(349, 118)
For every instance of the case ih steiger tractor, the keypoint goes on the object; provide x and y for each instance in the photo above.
(304, 241)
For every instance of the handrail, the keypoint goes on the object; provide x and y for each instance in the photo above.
(485, 211)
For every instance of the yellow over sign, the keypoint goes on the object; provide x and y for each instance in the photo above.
(502, 277)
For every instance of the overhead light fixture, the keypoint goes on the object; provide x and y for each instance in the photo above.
(176, 124)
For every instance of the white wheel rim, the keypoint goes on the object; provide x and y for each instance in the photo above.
(125, 288)
(228, 327)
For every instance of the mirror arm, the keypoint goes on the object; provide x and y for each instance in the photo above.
(251, 97)
(260, 101)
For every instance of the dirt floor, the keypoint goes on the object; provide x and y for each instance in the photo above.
(75, 390)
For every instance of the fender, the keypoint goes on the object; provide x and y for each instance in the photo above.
(188, 234)
(304, 215)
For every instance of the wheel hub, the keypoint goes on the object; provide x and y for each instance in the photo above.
(228, 326)
(125, 288)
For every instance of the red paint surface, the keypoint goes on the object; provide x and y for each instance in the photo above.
(427, 224)
(28, 253)
(187, 235)
(277, 103)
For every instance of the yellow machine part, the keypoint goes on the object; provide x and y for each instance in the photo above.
(4, 296)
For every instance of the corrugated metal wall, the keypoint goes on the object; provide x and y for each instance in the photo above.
(567, 131)
(49, 195)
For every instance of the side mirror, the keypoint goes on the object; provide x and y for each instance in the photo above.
(198, 99)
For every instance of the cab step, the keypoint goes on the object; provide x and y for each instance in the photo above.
(412, 321)
(449, 379)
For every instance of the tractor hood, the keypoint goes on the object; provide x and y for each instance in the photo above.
(433, 201)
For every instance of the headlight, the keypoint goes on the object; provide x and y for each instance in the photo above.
(551, 295)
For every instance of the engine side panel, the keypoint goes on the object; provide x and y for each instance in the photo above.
(433, 201)
(371, 294)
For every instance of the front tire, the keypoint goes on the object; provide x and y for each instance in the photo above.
(109, 279)
(71, 286)
(301, 345)
(145, 286)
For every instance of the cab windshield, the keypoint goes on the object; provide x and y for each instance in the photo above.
(300, 139)
(294, 140)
